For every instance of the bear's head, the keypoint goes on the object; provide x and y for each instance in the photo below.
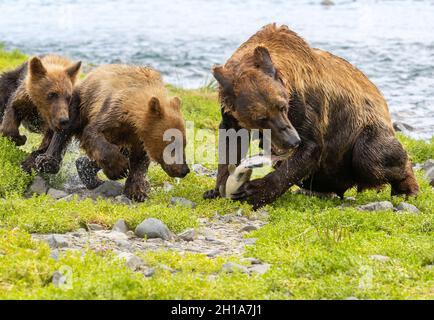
(50, 87)
(165, 140)
(258, 99)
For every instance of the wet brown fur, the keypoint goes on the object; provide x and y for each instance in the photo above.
(347, 137)
(37, 94)
(124, 107)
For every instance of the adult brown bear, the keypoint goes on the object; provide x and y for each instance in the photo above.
(333, 119)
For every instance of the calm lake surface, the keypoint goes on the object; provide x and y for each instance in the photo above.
(391, 41)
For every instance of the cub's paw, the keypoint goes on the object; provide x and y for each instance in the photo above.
(88, 172)
(136, 191)
(115, 166)
(47, 164)
(211, 194)
(28, 165)
(17, 139)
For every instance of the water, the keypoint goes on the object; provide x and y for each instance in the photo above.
(391, 41)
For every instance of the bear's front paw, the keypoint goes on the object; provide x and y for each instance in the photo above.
(18, 139)
(47, 164)
(115, 166)
(136, 191)
(254, 192)
(28, 164)
(211, 194)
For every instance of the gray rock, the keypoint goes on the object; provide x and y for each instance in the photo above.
(109, 189)
(132, 261)
(183, 202)
(95, 227)
(149, 272)
(213, 253)
(120, 226)
(214, 240)
(167, 187)
(200, 170)
(377, 206)
(38, 186)
(123, 199)
(58, 279)
(79, 233)
(188, 235)
(404, 206)
(252, 260)
(249, 228)
(234, 267)
(124, 244)
(130, 234)
(166, 268)
(57, 241)
(250, 241)
(112, 235)
(378, 257)
(56, 194)
(430, 176)
(427, 165)
(54, 255)
(402, 126)
(68, 198)
(260, 268)
(153, 228)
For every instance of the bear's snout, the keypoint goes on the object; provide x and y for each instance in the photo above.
(63, 123)
(184, 171)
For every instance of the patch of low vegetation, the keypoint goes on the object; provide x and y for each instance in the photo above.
(317, 248)
(12, 178)
(419, 150)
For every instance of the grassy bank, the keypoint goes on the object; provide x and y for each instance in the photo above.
(316, 249)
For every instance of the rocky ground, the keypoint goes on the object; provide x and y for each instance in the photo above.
(222, 235)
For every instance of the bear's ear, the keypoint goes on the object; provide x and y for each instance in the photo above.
(176, 103)
(37, 69)
(155, 106)
(224, 79)
(262, 60)
(73, 70)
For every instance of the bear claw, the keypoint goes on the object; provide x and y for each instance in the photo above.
(47, 164)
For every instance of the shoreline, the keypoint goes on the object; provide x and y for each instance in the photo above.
(52, 239)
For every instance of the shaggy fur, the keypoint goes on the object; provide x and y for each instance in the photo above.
(335, 121)
(121, 114)
(37, 94)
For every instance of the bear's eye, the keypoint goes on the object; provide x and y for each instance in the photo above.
(52, 96)
(68, 98)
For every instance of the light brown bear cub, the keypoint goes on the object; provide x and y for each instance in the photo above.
(123, 113)
(37, 94)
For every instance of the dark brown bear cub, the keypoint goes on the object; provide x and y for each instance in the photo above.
(37, 94)
(123, 115)
(326, 112)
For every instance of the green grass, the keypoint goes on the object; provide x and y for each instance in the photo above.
(316, 249)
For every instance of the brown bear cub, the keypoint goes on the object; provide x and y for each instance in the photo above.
(327, 113)
(37, 94)
(123, 113)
